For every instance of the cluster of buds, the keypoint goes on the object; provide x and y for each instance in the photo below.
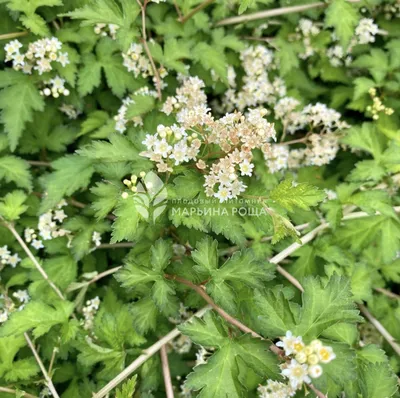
(49, 225)
(39, 56)
(6, 258)
(104, 30)
(377, 106)
(69, 110)
(305, 365)
(132, 184)
(54, 87)
(31, 237)
(89, 312)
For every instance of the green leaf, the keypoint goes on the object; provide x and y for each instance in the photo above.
(127, 219)
(377, 381)
(366, 138)
(211, 59)
(14, 169)
(362, 86)
(15, 114)
(301, 195)
(71, 173)
(376, 62)
(12, 205)
(161, 253)
(343, 17)
(141, 104)
(206, 255)
(107, 196)
(128, 388)
(325, 305)
(38, 316)
(244, 5)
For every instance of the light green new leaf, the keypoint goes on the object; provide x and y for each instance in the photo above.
(15, 114)
(161, 253)
(302, 195)
(14, 169)
(128, 388)
(12, 205)
(343, 17)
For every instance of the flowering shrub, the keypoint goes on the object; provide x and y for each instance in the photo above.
(199, 198)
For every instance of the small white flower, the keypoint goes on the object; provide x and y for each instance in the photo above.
(296, 373)
(96, 238)
(37, 244)
(162, 148)
(291, 344)
(223, 194)
(13, 260)
(22, 296)
(4, 252)
(246, 168)
(326, 354)
(315, 371)
(3, 316)
(59, 215)
(63, 59)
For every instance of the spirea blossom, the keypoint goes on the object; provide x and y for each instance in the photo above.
(303, 365)
(54, 87)
(39, 56)
(69, 110)
(366, 31)
(258, 87)
(6, 258)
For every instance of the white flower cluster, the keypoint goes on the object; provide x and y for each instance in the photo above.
(257, 88)
(377, 106)
(305, 31)
(304, 365)
(55, 87)
(235, 134)
(320, 148)
(96, 238)
(366, 30)
(49, 225)
(338, 56)
(7, 258)
(190, 103)
(39, 56)
(89, 312)
(136, 61)
(171, 146)
(104, 30)
(69, 110)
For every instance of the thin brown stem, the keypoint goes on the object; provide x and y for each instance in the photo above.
(8, 36)
(11, 228)
(146, 48)
(195, 10)
(178, 10)
(298, 141)
(15, 392)
(115, 245)
(169, 391)
(49, 383)
(387, 293)
(39, 163)
(233, 321)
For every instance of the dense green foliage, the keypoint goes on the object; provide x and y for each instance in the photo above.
(128, 199)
